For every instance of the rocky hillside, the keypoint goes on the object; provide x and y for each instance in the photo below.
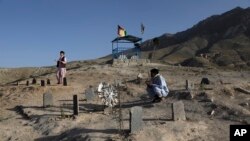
(220, 40)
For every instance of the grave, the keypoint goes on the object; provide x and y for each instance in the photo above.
(178, 111)
(47, 100)
(75, 105)
(42, 83)
(188, 85)
(89, 93)
(48, 81)
(27, 83)
(135, 119)
(65, 81)
(205, 81)
(188, 95)
(34, 81)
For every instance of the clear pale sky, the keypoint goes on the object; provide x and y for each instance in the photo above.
(32, 32)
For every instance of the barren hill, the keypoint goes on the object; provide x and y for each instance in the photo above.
(221, 40)
(13, 75)
(209, 109)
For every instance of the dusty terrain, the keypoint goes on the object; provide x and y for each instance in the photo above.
(22, 117)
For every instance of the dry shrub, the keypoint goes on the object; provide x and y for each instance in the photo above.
(227, 91)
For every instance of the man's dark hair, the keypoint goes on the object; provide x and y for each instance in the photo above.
(62, 52)
(155, 71)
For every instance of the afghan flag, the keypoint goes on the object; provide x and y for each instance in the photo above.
(121, 31)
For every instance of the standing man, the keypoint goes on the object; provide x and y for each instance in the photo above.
(157, 86)
(61, 67)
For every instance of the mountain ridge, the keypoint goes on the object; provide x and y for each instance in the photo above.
(212, 36)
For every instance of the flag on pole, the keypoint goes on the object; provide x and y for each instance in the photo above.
(121, 31)
(142, 28)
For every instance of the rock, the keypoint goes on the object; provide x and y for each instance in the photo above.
(242, 90)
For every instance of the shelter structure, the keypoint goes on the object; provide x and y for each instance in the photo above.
(121, 46)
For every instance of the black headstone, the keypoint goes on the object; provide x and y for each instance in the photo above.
(64, 81)
(27, 83)
(205, 81)
(48, 82)
(42, 83)
(75, 105)
(34, 81)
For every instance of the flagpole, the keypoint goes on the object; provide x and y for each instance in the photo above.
(142, 32)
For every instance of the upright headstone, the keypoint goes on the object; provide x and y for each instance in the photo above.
(17, 83)
(75, 105)
(135, 119)
(47, 100)
(205, 81)
(48, 81)
(188, 85)
(42, 83)
(178, 111)
(89, 94)
(65, 81)
(34, 81)
(27, 83)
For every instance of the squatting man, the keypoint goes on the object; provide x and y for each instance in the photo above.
(156, 86)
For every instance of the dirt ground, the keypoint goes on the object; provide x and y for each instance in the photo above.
(209, 110)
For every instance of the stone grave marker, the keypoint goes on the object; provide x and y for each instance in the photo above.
(205, 81)
(89, 93)
(27, 83)
(135, 119)
(34, 81)
(188, 85)
(75, 105)
(48, 81)
(178, 111)
(65, 81)
(42, 83)
(47, 100)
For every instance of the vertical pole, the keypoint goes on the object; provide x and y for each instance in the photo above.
(120, 111)
(113, 50)
(75, 105)
(187, 85)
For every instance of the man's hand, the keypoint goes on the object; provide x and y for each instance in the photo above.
(149, 83)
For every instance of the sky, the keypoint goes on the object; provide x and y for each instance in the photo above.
(33, 32)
